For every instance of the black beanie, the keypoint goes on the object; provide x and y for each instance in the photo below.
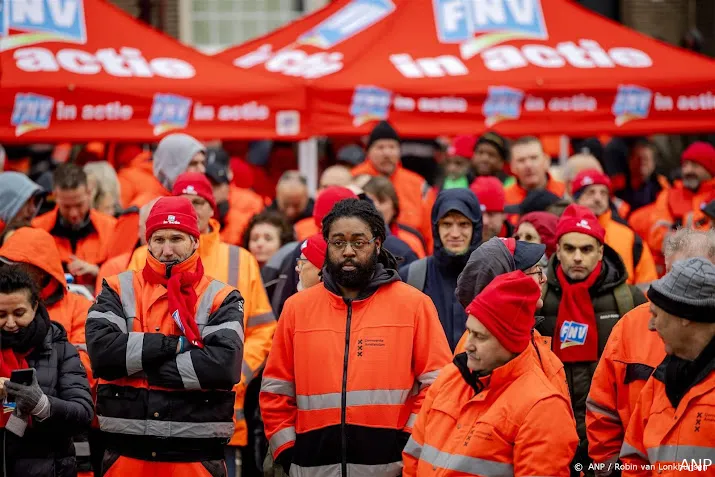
(496, 140)
(383, 130)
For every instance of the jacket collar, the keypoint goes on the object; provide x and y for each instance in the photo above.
(188, 265)
(382, 276)
(502, 376)
(211, 239)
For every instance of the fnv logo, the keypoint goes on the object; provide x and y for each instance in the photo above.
(573, 333)
(171, 220)
(31, 112)
(370, 103)
(502, 103)
(587, 181)
(632, 102)
(347, 22)
(189, 189)
(169, 112)
(583, 223)
(27, 22)
(480, 24)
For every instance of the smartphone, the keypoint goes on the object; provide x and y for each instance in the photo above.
(21, 376)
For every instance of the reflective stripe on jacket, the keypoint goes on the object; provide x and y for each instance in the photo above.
(629, 358)
(152, 403)
(345, 379)
(238, 268)
(517, 424)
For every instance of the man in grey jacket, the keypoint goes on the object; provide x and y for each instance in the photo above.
(20, 199)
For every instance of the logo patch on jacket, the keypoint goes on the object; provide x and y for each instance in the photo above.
(573, 334)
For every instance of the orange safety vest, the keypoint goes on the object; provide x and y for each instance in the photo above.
(629, 358)
(517, 424)
(348, 378)
(91, 249)
(661, 440)
(635, 254)
(238, 268)
(243, 205)
(515, 193)
(152, 403)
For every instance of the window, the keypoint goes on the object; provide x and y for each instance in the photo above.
(217, 24)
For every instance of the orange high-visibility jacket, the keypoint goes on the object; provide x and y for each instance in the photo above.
(154, 403)
(630, 247)
(305, 228)
(629, 358)
(345, 379)
(515, 194)
(675, 442)
(411, 189)
(515, 422)
(244, 204)
(238, 268)
(91, 249)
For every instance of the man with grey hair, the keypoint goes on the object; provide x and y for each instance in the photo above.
(629, 358)
(673, 423)
(292, 198)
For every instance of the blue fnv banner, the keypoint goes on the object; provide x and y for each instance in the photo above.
(28, 22)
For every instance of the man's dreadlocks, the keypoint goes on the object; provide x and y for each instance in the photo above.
(365, 211)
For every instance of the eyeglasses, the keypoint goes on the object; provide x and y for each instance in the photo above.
(354, 244)
(539, 272)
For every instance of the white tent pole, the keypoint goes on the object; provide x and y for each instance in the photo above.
(308, 163)
(563, 150)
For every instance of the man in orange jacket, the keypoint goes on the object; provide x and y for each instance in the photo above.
(628, 360)
(238, 268)
(592, 189)
(672, 429)
(347, 374)
(530, 165)
(383, 158)
(81, 234)
(166, 344)
(493, 411)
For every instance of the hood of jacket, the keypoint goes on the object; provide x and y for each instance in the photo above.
(35, 247)
(382, 276)
(613, 272)
(173, 155)
(465, 202)
(487, 262)
(15, 190)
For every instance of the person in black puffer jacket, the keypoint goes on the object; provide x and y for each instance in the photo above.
(37, 436)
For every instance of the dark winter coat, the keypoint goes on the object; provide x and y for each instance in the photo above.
(46, 449)
(443, 268)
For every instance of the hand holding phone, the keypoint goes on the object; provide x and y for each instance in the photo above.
(24, 377)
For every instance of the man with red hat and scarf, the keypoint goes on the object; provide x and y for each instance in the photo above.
(586, 294)
(592, 189)
(166, 343)
(493, 411)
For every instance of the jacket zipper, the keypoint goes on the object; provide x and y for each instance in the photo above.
(343, 394)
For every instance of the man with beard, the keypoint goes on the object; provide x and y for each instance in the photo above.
(352, 358)
(166, 344)
(81, 234)
(20, 199)
(457, 230)
(681, 204)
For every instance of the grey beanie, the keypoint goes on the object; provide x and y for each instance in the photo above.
(687, 291)
(172, 157)
(15, 190)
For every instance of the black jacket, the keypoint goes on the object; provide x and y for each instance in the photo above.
(46, 449)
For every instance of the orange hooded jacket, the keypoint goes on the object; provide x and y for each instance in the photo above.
(238, 268)
(513, 422)
(625, 241)
(244, 204)
(629, 358)
(37, 248)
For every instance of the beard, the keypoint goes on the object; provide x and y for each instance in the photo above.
(356, 279)
(691, 182)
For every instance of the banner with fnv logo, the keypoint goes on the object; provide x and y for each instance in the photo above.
(76, 70)
(436, 67)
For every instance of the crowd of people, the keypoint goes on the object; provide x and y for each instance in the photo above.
(507, 318)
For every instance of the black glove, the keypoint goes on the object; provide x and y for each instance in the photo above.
(285, 460)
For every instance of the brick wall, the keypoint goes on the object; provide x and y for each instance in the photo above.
(666, 19)
(171, 13)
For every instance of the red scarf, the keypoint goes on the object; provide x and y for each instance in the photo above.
(182, 298)
(10, 362)
(576, 335)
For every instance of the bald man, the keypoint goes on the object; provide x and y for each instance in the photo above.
(292, 198)
(336, 176)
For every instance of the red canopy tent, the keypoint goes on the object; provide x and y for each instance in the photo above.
(79, 70)
(443, 67)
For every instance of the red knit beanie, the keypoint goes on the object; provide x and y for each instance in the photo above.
(580, 219)
(314, 250)
(194, 183)
(463, 146)
(490, 193)
(327, 198)
(506, 308)
(587, 178)
(701, 153)
(175, 213)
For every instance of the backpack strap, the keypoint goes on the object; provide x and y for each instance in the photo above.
(637, 250)
(417, 274)
(624, 298)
